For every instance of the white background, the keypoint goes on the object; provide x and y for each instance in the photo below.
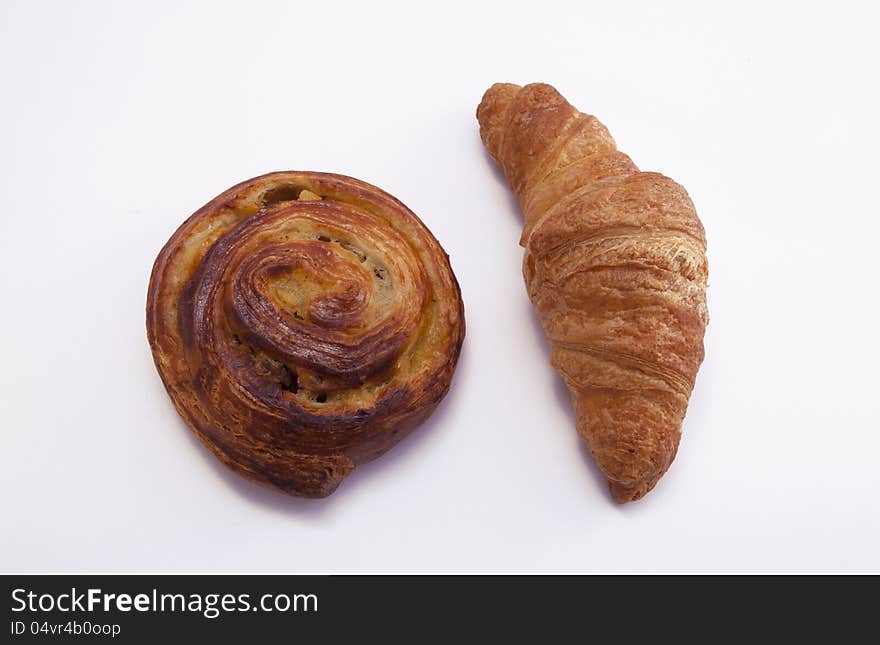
(118, 120)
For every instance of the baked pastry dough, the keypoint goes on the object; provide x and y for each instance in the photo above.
(303, 323)
(615, 265)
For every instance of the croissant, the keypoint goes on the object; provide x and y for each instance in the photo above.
(303, 323)
(615, 266)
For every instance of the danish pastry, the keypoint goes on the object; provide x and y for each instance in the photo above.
(303, 323)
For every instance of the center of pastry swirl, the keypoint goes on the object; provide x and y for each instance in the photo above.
(302, 302)
(309, 281)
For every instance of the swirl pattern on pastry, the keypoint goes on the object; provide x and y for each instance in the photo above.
(303, 323)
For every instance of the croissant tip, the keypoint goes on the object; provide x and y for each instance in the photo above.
(624, 494)
(499, 86)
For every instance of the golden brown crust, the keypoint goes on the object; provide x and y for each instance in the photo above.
(616, 268)
(303, 323)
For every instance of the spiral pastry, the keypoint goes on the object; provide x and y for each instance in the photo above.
(303, 323)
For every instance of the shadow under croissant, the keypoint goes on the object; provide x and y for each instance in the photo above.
(277, 500)
(560, 389)
(563, 398)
